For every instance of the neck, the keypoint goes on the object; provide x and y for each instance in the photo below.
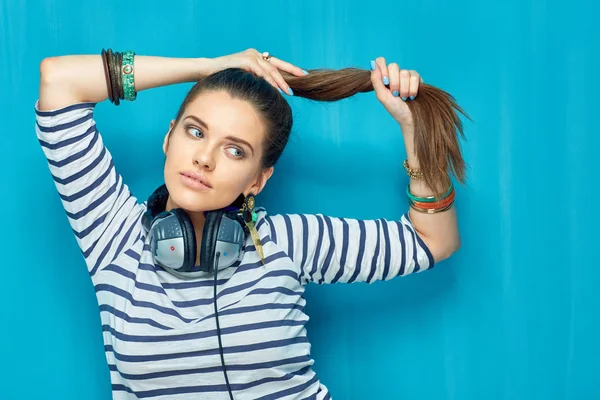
(198, 220)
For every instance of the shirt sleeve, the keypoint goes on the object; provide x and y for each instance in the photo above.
(331, 250)
(100, 208)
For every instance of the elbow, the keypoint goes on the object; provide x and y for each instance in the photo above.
(442, 251)
(47, 68)
(456, 246)
(451, 249)
(54, 70)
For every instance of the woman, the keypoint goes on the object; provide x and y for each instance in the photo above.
(173, 329)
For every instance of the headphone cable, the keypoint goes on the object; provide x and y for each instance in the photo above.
(219, 328)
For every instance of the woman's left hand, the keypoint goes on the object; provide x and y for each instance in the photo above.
(394, 87)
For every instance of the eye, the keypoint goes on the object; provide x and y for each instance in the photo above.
(236, 152)
(195, 132)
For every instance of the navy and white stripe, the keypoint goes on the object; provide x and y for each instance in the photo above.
(159, 332)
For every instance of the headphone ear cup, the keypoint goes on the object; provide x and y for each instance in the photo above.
(189, 239)
(209, 239)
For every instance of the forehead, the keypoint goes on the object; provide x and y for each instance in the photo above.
(226, 115)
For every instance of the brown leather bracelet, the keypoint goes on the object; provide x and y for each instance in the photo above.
(107, 75)
(113, 77)
(119, 68)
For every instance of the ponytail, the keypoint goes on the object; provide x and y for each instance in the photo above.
(435, 116)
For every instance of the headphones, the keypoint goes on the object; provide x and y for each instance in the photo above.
(173, 239)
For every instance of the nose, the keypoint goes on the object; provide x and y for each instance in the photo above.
(204, 158)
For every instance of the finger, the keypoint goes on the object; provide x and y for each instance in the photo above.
(263, 73)
(287, 67)
(404, 84)
(385, 76)
(377, 82)
(275, 76)
(253, 51)
(394, 71)
(415, 80)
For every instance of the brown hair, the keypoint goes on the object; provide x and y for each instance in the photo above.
(434, 112)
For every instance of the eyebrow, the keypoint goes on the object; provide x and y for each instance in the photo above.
(232, 138)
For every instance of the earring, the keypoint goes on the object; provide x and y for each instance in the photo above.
(250, 218)
(248, 208)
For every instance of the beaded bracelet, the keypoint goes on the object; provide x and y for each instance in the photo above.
(411, 172)
(128, 76)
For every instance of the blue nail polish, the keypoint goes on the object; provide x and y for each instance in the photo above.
(372, 65)
(291, 92)
(405, 98)
(305, 72)
(395, 93)
(386, 80)
(280, 91)
(412, 97)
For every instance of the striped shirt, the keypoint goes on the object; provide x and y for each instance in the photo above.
(159, 332)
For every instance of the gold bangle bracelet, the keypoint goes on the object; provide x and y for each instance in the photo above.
(433, 211)
(413, 173)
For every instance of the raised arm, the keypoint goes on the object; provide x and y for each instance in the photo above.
(74, 79)
(101, 210)
(394, 89)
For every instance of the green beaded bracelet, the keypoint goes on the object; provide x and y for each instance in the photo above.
(432, 199)
(127, 73)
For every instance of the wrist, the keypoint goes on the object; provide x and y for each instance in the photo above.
(204, 67)
(409, 145)
(407, 129)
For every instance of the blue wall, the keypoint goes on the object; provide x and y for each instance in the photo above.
(513, 315)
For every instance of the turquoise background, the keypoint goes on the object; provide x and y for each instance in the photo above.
(512, 315)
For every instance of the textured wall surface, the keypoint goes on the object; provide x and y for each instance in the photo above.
(512, 315)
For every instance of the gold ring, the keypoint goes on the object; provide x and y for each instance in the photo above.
(266, 56)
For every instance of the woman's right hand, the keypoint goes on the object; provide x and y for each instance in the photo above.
(252, 61)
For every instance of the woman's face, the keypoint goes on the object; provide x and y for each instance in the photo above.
(214, 153)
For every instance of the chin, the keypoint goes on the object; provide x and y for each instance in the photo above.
(189, 199)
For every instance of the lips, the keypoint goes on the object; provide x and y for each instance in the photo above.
(197, 177)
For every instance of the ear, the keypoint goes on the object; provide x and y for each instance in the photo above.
(261, 181)
(167, 136)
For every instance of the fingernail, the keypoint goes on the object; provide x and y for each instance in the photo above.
(412, 97)
(291, 92)
(280, 91)
(372, 65)
(395, 93)
(305, 72)
(405, 98)
(386, 80)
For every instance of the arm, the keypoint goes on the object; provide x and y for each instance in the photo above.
(80, 78)
(330, 250)
(74, 79)
(101, 210)
(439, 231)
